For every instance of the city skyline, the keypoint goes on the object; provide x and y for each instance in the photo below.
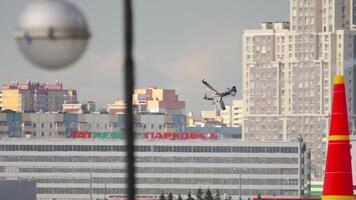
(288, 133)
(200, 42)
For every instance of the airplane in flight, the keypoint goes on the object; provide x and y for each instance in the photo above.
(216, 96)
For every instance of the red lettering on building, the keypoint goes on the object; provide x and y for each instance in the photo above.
(176, 135)
(82, 135)
(183, 136)
(194, 136)
(167, 135)
(213, 136)
(159, 136)
(89, 134)
(74, 134)
(203, 136)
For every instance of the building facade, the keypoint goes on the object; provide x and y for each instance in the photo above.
(35, 97)
(288, 70)
(230, 117)
(237, 109)
(153, 100)
(118, 107)
(85, 168)
(62, 125)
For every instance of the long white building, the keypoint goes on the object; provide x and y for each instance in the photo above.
(288, 70)
(85, 168)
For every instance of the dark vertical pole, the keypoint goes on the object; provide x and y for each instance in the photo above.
(129, 86)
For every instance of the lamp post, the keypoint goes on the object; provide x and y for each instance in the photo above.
(19, 188)
(240, 184)
(91, 184)
(105, 189)
(129, 87)
(53, 34)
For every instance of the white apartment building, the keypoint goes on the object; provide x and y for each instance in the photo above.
(231, 116)
(236, 113)
(288, 70)
(226, 116)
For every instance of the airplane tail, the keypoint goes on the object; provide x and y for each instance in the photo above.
(233, 91)
(205, 97)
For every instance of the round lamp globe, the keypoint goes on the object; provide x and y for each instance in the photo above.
(52, 34)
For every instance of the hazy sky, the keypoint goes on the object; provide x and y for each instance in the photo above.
(178, 43)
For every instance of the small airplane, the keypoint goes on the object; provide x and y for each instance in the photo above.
(217, 97)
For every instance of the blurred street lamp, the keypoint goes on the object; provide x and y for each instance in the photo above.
(52, 34)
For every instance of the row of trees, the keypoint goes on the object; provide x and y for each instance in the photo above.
(200, 195)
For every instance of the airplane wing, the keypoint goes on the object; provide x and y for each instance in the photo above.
(209, 86)
(222, 105)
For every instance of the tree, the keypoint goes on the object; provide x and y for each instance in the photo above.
(199, 194)
(179, 197)
(170, 196)
(190, 196)
(162, 197)
(217, 195)
(208, 195)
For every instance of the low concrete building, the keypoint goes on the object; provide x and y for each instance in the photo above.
(79, 168)
(21, 189)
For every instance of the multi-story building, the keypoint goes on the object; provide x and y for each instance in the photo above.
(210, 114)
(236, 110)
(226, 115)
(35, 97)
(160, 100)
(288, 69)
(62, 125)
(152, 100)
(90, 106)
(96, 169)
(18, 189)
(118, 107)
(73, 108)
(231, 116)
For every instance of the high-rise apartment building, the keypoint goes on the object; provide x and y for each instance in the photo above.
(35, 96)
(288, 69)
